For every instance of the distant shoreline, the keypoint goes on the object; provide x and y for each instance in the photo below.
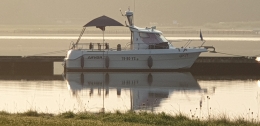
(122, 31)
(127, 33)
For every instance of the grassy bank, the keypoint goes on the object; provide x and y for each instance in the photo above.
(126, 119)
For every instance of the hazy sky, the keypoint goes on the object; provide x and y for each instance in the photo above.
(79, 12)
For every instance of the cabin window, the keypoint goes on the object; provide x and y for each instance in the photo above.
(149, 38)
(161, 38)
(143, 35)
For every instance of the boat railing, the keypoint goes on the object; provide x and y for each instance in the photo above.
(128, 46)
(92, 46)
(163, 45)
(187, 43)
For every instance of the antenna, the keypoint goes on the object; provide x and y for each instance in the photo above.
(121, 12)
(123, 16)
(126, 24)
(134, 12)
(134, 5)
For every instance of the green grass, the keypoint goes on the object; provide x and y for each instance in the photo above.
(33, 118)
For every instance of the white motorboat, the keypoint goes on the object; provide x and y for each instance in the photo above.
(148, 50)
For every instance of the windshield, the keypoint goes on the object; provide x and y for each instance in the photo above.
(161, 38)
(149, 38)
(152, 38)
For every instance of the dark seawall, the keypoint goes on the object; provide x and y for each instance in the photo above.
(44, 65)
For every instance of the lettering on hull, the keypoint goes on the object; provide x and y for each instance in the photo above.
(184, 55)
(129, 58)
(94, 83)
(95, 57)
(130, 82)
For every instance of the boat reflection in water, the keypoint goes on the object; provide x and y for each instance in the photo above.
(127, 91)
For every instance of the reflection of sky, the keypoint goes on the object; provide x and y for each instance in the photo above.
(233, 98)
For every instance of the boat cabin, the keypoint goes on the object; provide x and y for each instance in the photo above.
(146, 38)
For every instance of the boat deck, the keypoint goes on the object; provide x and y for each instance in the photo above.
(61, 59)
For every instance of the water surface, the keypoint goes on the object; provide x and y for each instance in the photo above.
(170, 92)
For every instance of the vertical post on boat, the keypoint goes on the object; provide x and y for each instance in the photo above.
(132, 40)
(134, 11)
(103, 48)
(103, 40)
(103, 109)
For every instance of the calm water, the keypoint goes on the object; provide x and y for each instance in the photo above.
(171, 92)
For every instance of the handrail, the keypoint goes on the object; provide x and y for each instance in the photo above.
(83, 30)
(98, 46)
(187, 43)
(91, 46)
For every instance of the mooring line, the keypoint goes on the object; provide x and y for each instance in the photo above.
(249, 57)
(257, 55)
(230, 54)
(48, 53)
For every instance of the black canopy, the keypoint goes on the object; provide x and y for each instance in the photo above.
(102, 22)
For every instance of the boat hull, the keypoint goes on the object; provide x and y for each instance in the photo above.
(88, 61)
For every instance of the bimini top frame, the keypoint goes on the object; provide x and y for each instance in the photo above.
(100, 22)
